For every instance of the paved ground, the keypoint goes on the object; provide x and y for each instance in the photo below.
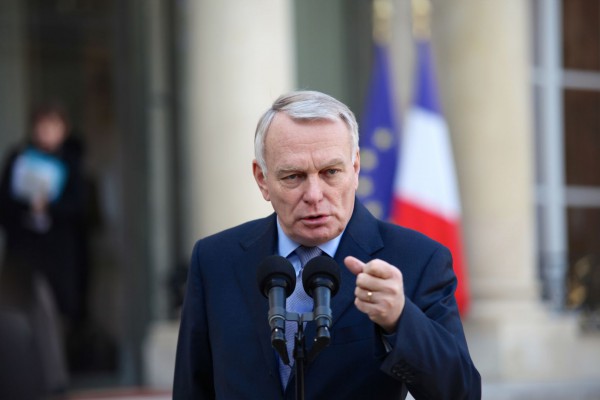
(491, 391)
(120, 394)
(588, 390)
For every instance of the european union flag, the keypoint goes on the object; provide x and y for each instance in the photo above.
(378, 140)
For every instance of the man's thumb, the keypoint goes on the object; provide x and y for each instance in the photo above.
(354, 265)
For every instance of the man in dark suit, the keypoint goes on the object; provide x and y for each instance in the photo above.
(395, 321)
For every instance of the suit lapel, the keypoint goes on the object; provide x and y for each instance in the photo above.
(257, 245)
(361, 239)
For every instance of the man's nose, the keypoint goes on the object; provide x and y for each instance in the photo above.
(313, 191)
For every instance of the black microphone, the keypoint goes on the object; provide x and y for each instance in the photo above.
(321, 280)
(276, 279)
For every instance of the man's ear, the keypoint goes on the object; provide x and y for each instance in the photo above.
(261, 180)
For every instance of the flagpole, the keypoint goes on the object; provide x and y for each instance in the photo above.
(421, 19)
(382, 21)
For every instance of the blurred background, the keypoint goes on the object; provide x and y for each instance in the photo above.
(163, 98)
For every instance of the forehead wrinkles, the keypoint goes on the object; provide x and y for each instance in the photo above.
(300, 155)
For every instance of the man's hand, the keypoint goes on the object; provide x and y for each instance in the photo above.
(39, 204)
(379, 291)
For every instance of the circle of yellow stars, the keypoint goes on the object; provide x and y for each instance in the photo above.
(383, 139)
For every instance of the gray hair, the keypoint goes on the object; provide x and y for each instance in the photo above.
(304, 106)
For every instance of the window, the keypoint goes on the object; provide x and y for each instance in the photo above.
(567, 96)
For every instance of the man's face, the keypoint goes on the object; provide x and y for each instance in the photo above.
(311, 179)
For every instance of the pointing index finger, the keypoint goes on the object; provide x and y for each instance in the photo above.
(378, 269)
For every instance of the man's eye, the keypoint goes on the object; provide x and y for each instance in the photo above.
(290, 177)
(332, 171)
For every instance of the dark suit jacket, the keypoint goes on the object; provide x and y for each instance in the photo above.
(224, 349)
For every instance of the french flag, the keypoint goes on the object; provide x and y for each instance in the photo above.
(426, 196)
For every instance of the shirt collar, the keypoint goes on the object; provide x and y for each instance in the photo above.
(286, 245)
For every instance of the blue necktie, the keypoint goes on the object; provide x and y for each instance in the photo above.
(298, 302)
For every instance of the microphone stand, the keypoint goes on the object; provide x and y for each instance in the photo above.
(300, 357)
(299, 352)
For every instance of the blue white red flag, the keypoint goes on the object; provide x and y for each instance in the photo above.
(426, 196)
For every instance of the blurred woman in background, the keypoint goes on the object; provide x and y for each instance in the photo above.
(41, 213)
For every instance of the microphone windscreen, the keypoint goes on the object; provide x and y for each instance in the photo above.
(276, 271)
(322, 267)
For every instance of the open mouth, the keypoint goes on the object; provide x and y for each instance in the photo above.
(315, 219)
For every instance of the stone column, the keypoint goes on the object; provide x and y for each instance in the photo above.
(484, 56)
(237, 58)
